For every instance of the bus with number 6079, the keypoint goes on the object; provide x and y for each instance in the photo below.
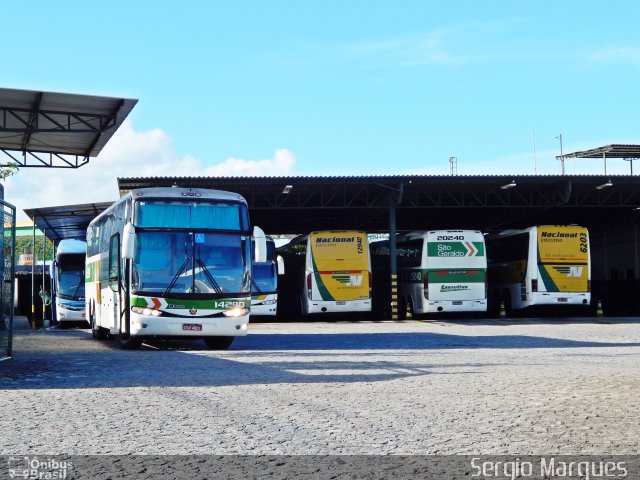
(171, 263)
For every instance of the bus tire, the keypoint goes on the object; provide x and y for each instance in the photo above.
(218, 343)
(410, 313)
(97, 332)
(128, 342)
(508, 307)
(402, 308)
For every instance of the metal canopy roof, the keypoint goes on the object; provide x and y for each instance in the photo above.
(610, 151)
(67, 221)
(59, 130)
(422, 202)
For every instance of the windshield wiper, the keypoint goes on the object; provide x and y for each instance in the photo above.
(75, 292)
(177, 275)
(207, 273)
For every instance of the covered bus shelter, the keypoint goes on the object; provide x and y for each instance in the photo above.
(40, 129)
(289, 205)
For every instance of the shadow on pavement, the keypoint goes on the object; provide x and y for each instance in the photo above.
(72, 359)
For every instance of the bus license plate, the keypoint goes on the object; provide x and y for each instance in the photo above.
(341, 303)
(563, 299)
(194, 327)
(457, 302)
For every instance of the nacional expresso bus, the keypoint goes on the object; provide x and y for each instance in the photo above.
(325, 272)
(541, 266)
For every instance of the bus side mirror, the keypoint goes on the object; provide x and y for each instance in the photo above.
(260, 241)
(280, 262)
(128, 240)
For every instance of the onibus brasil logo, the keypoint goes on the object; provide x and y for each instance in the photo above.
(38, 468)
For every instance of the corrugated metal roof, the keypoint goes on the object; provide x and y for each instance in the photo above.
(487, 202)
(615, 150)
(66, 221)
(59, 123)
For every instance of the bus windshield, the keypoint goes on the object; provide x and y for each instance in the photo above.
(192, 215)
(171, 263)
(71, 283)
(264, 278)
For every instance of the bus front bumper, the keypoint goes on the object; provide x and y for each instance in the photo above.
(194, 327)
(316, 306)
(436, 306)
(559, 298)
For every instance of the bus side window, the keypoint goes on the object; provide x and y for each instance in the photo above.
(114, 262)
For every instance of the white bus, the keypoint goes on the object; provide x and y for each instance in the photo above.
(539, 266)
(440, 271)
(67, 283)
(326, 272)
(264, 282)
(171, 262)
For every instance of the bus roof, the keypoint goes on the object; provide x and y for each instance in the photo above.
(70, 245)
(181, 192)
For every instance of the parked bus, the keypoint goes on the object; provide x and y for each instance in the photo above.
(171, 262)
(264, 282)
(325, 272)
(539, 266)
(67, 283)
(439, 271)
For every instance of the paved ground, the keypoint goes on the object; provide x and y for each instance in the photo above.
(526, 387)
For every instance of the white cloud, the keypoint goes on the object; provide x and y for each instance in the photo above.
(450, 46)
(618, 55)
(281, 164)
(130, 153)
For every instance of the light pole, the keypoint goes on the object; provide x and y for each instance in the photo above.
(561, 158)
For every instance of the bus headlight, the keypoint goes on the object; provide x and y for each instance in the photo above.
(149, 312)
(236, 312)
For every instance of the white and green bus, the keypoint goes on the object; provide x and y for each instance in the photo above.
(171, 262)
(264, 282)
(440, 271)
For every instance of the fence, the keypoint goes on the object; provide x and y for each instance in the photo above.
(7, 275)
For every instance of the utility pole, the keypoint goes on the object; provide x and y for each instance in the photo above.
(561, 158)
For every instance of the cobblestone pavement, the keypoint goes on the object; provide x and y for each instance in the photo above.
(521, 387)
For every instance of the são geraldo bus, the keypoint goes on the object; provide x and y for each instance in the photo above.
(540, 266)
(171, 262)
(326, 272)
(67, 282)
(440, 271)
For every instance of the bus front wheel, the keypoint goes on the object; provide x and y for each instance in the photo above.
(218, 343)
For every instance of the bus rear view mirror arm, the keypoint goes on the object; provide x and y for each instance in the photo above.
(128, 241)
(260, 239)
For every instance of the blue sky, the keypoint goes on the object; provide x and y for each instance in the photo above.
(332, 87)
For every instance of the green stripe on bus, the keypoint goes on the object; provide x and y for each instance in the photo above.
(175, 303)
(324, 292)
(442, 275)
(454, 249)
(548, 282)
